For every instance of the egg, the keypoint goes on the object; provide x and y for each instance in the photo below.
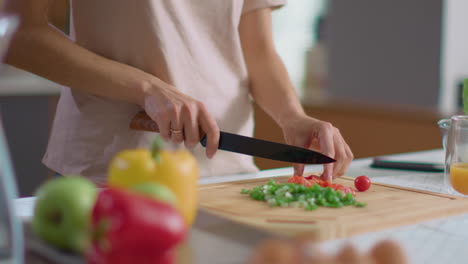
(313, 255)
(350, 255)
(320, 259)
(275, 251)
(388, 252)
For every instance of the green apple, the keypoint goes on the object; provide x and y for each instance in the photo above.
(156, 191)
(62, 213)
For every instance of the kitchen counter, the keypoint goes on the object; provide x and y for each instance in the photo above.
(437, 241)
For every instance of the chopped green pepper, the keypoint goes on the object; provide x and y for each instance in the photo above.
(296, 195)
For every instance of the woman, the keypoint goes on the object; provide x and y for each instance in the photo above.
(191, 65)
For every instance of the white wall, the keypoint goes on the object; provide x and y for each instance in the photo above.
(293, 34)
(454, 53)
(385, 52)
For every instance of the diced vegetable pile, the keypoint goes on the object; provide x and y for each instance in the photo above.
(297, 195)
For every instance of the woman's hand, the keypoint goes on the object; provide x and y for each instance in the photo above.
(304, 131)
(180, 118)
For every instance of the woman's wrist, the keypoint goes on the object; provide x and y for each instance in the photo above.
(149, 87)
(286, 115)
(145, 88)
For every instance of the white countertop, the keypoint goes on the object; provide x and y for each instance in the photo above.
(437, 241)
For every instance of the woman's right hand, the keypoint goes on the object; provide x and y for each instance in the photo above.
(180, 118)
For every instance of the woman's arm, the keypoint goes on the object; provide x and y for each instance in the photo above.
(271, 88)
(41, 49)
(266, 70)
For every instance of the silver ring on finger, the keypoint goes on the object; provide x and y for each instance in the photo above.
(177, 135)
(176, 131)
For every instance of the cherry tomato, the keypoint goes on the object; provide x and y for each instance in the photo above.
(362, 183)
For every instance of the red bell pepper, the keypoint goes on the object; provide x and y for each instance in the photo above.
(130, 228)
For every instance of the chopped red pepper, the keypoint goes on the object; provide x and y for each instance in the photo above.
(300, 180)
(313, 179)
(130, 228)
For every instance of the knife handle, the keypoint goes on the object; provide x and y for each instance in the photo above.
(141, 121)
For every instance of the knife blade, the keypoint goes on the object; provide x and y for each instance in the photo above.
(247, 145)
(268, 149)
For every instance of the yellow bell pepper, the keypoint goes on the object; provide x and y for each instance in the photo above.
(131, 167)
(176, 169)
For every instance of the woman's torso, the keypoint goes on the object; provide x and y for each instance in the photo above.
(193, 45)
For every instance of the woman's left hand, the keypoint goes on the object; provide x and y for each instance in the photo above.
(307, 132)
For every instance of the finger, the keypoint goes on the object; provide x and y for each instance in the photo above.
(348, 159)
(191, 131)
(327, 174)
(340, 157)
(327, 148)
(298, 169)
(343, 154)
(340, 154)
(177, 135)
(177, 131)
(163, 124)
(210, 128)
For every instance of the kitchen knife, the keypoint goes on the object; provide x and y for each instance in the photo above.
(247, 145)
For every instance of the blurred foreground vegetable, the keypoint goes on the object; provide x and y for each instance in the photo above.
(131, 167)
(178, 170)
(62, 212)
(132, 228)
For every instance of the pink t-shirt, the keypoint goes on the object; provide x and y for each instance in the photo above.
(194, 45)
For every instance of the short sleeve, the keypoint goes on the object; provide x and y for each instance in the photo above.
(250, 5)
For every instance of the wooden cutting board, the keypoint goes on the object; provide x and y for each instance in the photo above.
(387, 206)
